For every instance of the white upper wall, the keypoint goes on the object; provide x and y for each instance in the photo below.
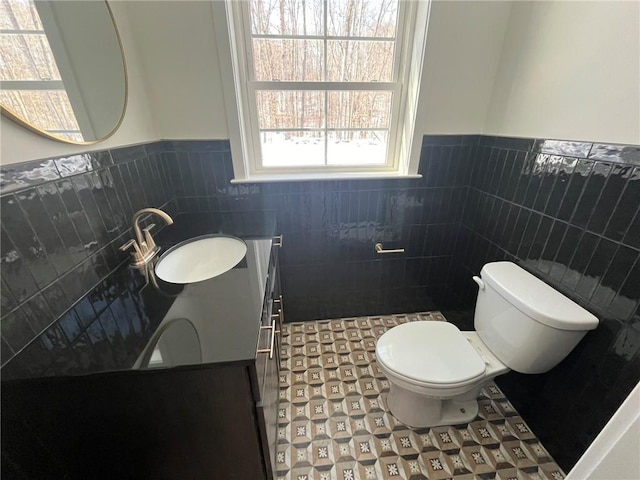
(464, 43)
(177, 45)
(569, 70)
(19, 144)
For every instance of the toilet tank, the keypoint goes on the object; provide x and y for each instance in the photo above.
(527, 324)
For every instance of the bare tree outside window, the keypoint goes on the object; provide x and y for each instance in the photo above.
(27, 62)
(324, 80)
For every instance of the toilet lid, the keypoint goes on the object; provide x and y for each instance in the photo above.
(429, 352)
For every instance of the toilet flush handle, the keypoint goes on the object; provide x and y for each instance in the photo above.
(479, 281)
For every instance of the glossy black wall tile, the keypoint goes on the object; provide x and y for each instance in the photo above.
(568, 212)
(63, 220)
(329, 265)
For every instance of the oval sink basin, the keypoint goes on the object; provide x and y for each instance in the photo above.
(200, 258)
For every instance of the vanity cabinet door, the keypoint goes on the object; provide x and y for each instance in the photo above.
(269, 341)
(267, 410)
(171, 424)
(267, 365)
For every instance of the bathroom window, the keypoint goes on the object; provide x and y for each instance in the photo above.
(322, 87)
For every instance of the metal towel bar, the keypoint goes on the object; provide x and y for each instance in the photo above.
(380, 249)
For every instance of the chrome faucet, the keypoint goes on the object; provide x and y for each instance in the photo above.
(144, 245)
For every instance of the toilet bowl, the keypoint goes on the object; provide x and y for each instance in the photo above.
(436, 371)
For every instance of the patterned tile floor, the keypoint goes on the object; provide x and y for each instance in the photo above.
(334, 423)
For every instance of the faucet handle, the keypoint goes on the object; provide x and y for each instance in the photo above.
(126, 246)
(151, 244)
(129, 244)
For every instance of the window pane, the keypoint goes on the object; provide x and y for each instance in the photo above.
(290, 109)
(19, 15)
(365, 18)
(27, 57)
(292, 149)
(282, 17)
(359, 109)
(50, 108)
(359, 61)
(287, 60)
(357, 148)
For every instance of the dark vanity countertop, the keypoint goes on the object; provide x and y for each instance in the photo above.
(132, 331)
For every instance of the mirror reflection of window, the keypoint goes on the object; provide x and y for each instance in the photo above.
(61, 68)
(178, 344)
(32, 85)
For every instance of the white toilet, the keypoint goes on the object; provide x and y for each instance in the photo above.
(436, 371)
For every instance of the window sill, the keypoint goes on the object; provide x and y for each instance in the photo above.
(311, 177)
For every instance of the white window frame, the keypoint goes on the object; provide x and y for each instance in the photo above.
(234, 41)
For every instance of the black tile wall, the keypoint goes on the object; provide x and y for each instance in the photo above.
(62, 221)
(565, 211)
(568, 212)
(329, 266)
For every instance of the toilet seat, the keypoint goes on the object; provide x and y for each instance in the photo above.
(431, 354)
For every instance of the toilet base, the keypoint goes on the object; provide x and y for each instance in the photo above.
(418, 411)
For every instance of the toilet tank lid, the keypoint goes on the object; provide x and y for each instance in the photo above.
(535, 298)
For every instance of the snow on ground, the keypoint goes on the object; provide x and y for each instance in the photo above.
(279, 151)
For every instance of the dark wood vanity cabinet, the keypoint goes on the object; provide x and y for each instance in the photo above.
(267, 365)
(208, 421)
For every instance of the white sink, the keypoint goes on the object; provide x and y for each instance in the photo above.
(200, 258)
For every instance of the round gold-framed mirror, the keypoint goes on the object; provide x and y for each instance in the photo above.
(62, 69)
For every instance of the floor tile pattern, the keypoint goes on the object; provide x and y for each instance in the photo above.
(334, 424)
